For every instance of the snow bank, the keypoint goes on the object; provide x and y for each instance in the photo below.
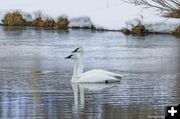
(81, 22)
(111, 14)
(162, 25)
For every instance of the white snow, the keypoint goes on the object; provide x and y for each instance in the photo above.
(109, 14)
(81, 22)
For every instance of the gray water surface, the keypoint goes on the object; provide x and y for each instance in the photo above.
(35, 77)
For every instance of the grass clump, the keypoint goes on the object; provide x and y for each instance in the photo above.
(173, 15)
(62, 23)
(126, 31)
(14, 19)
(48, 23)
(177, 32)
(139, 30)
(38, 22)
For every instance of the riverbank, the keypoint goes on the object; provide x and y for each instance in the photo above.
(159, 25)
(114, 15)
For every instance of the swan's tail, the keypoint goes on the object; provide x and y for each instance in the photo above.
(117, 77)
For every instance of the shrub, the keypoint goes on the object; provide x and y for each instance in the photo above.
(173, 15)
(14, 19)
(139, 30)
(93, 27)
(126, 31)
(62, 23)
(161, 5)
(177, 31)
(38, 14)
(49, 23)
(37, 22)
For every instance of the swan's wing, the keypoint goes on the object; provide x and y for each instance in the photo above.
(108, 73)
(98, 76)
(100, 72)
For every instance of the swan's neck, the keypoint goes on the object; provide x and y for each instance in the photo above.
(81, 64)
(75, 72)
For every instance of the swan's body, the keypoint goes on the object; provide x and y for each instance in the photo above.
(92, 76)
(99, 76)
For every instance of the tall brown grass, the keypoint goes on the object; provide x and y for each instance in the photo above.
(177, 32)
(14, 19)
(173, 15)
(62, 23)
(139, 30)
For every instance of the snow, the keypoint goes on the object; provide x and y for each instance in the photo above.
(162, 25)
(82, 22)
(107, 14)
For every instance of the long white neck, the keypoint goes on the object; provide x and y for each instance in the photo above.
(81, 64)
(75, 72)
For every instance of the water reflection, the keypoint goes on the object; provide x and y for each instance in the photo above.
(36, 77)
(13, 31)
(79, 90)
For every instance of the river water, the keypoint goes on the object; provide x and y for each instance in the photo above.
(35, 77)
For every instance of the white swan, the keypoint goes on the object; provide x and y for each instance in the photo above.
(92, 76)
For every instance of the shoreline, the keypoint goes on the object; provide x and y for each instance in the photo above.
(79, 28)
(136, 27)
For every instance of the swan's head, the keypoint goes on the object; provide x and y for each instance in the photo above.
(71, 56)
(78, 50)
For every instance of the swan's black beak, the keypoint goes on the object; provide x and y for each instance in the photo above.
(75, 50)
(68, 57)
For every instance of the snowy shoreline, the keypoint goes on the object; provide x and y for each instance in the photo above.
(83, 14)
(159, 25)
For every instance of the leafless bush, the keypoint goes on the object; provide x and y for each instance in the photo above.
(161, 5)
(38, 14)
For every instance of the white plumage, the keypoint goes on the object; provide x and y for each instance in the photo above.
(92, 76)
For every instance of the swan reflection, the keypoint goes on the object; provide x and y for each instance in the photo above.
(79, 90)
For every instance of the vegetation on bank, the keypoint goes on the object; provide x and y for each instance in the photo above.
(171, 7)
(16, 19)
(62, 23)
(173, 15)
(177, 32)
(138, 30)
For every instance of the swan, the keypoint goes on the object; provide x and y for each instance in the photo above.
(92, 76)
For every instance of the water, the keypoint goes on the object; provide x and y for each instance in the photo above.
(35, 77)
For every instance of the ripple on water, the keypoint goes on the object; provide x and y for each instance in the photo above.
(35, 77)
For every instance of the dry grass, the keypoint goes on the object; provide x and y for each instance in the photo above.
(37, 22)
(173, 15)
(126, 31)
(14, 19)
(177, 32)
(62, 23)
(139, 30)
(48, 23)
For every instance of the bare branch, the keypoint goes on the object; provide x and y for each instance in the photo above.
(161, 5)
